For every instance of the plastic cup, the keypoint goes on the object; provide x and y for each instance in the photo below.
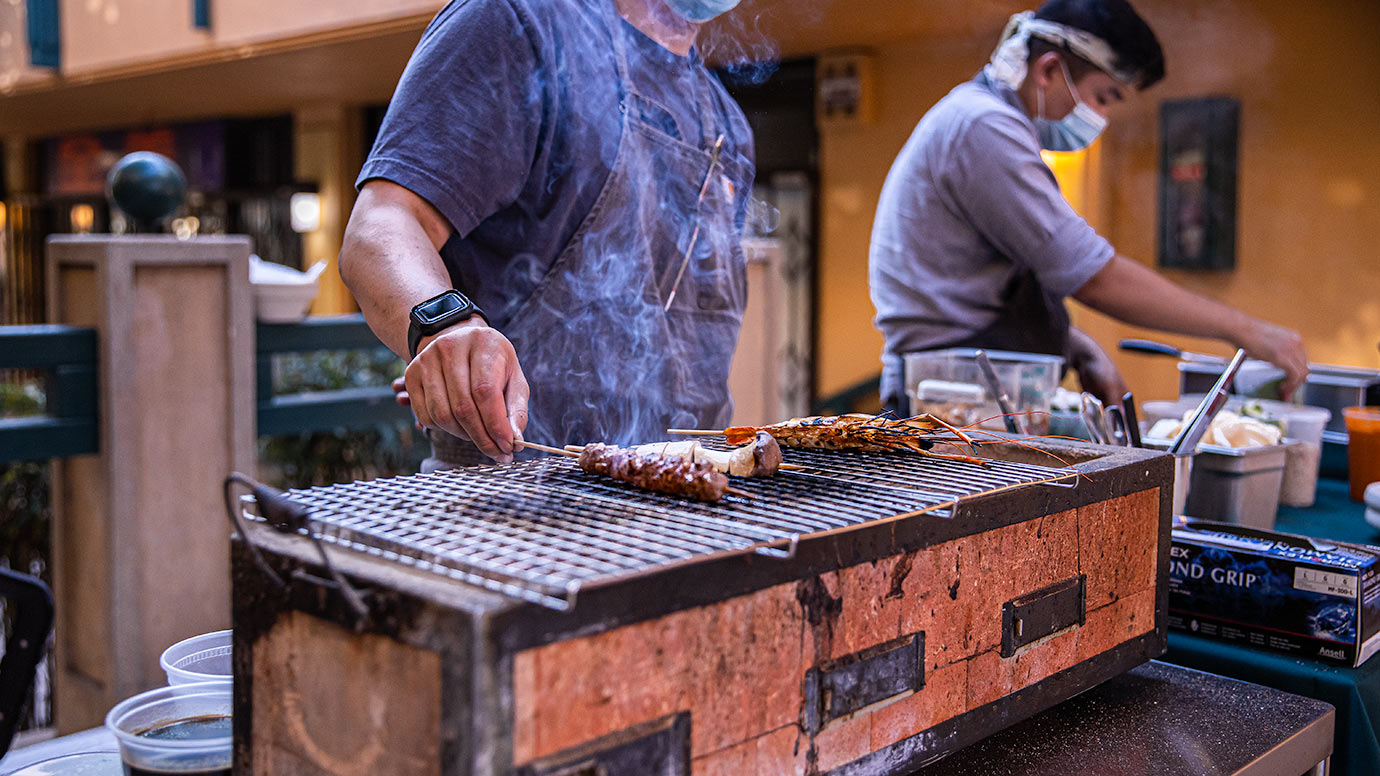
(164, 731)
(204, 658)
(1362, 448)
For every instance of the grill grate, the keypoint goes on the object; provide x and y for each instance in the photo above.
(541, 530)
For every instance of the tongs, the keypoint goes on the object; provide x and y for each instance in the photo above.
(1095, 418)
(1192, 434)
(989, 375)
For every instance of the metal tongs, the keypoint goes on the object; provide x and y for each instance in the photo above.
(989, 375)
(1192, 434)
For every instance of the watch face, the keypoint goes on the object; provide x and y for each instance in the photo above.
(437, 309)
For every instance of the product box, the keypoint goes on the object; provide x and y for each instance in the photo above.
(1275, 591)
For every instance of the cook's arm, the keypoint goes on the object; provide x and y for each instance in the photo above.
(465, 380)
(1136, 294)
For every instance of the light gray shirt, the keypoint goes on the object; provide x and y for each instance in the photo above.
(968, 205)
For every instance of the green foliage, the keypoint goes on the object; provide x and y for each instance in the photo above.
(24, 517)
(20, 395)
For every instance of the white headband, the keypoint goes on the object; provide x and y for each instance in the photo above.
(1009, 58)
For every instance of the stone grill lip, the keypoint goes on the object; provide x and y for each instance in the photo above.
(542, 530)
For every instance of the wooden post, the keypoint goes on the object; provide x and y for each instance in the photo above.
(140, 551)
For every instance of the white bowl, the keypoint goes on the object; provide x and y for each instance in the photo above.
(283, 303)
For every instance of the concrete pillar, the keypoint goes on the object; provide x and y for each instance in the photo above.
(140, 537)
(327, 150)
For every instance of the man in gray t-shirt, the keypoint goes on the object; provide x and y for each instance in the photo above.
(975, 246)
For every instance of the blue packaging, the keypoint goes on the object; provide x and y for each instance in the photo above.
(1275, 591)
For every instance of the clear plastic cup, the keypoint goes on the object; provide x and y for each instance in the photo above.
(1362, 448)
(204, 658)
(181, 729)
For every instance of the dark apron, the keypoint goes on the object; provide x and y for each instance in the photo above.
(605, 362)
(1030, 321)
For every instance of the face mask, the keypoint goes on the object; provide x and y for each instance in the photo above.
(700, 10)
(1073, 132)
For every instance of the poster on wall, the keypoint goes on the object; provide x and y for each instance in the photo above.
(1198, 161)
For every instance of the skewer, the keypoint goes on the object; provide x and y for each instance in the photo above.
(739, 493)
(547, 449)
(695, 431)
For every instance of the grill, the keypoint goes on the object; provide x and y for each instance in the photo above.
(543, 530)
(861, 616)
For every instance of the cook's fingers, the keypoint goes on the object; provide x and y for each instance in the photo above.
(458, 377)
(516, 398)
(488, 378)
(436, 390)
(420, 410)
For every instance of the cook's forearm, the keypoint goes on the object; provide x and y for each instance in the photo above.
(1135, 294)
(390, 263)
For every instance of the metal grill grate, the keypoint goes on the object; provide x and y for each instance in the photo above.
(541, 530)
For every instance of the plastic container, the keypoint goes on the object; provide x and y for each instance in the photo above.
(160, 731)
(204, 658)
(1363, 448)
(948, 384)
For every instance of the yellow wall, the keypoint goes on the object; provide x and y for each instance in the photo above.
(1309, 182)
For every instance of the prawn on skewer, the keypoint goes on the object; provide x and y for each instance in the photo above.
(856, 431)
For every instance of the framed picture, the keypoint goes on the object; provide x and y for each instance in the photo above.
(1198, 142)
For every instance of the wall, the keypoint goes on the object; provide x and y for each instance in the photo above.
(1309, 176)
(110, 34)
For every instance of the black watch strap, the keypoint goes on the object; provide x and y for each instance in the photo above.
(437, 314)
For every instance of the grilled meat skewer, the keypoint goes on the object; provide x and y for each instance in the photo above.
(761, 458)
(856, 431)
(653, 471)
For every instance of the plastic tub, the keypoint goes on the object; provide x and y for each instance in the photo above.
(204, 658)
(948, 384)
(1363, 448)
(181, 729)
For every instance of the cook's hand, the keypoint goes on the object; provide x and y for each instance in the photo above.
(1281, 347)
(1096, 373)
(466, 381)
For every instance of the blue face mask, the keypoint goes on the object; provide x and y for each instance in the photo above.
(1073, 132)
(701, 10)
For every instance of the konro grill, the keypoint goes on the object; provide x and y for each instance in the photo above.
(866, 614)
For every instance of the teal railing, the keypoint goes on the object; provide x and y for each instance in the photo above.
(66, 356)
(344, 408)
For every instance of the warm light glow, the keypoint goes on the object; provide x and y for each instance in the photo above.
(306, 212)
(186, 228)
(3, 216)
(1074, 171)
(82, 218)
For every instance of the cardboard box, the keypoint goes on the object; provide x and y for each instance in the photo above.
(1276, 591)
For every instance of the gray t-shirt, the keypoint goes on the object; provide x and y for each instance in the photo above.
(969, 205)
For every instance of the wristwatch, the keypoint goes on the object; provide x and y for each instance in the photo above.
(438, 313)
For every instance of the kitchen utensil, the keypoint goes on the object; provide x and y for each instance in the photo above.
(1128, 412)
(989, 375)
(695, 234)
(1212, 403)
(1163, 349)
(1116, 425)
(1095, 419)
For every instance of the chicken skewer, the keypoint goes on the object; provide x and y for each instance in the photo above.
(650, 471)
(856, 431)
(761, 458)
